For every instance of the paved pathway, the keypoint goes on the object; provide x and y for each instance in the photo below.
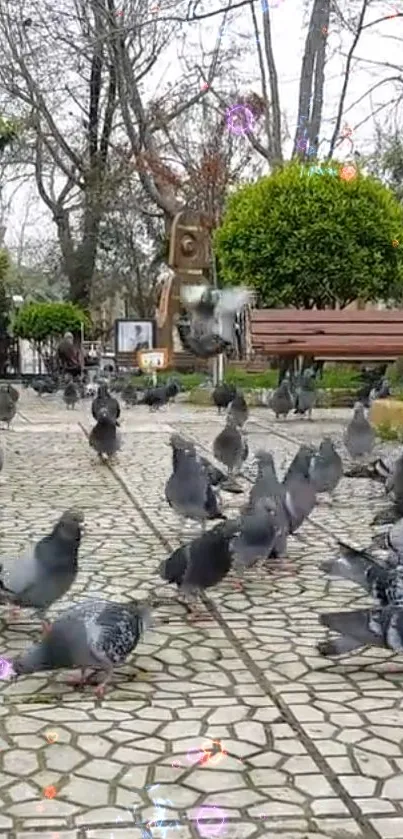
(312, 749)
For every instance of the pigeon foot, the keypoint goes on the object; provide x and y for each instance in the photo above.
(46, 627)
(197, 615)
(238, 585)
(14, 614)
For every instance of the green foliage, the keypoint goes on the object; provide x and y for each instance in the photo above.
(40, 321)
(8, 131)
(303, 240)
(251, 381)
(387, 432)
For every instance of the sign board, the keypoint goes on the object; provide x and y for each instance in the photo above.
(153, 359)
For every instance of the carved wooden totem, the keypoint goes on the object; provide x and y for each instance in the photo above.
(189, 257)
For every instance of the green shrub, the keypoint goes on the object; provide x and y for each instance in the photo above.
(41, 321)
(387, 432)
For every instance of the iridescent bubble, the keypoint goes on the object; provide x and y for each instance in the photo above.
(205, 828)
(240, 119)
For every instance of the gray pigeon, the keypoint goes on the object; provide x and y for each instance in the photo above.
(266, 484)
(258, 534)
(238, 410)
(300, 497)
(45, 572)
(200, 564)
(359, 438)
(94, 634)
(8, 407)
(385, 585)
(305, 397)
(363, 628)
(282, 402)
(188, 489)
(223, 394)
(326, 467)
(230, 447)
(104, 437)
(70, 395)
(104, 401)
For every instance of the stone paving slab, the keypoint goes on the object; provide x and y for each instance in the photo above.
(312, 749)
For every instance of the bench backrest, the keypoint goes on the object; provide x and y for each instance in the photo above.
(328, 333)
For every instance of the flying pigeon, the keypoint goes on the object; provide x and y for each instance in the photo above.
(104, 401)
(70, 395)
(238, 410)
(359, 438)
(104, 437)
(282, 401)
(223, 394)
(363, 628)
(212, 313)
(8, 407)
(188, 490)
(45, 572)
(385, 585)
(305, 397)
(94, 634)
(200, 564)
(326, 468)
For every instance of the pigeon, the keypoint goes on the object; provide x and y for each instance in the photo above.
(381, 390)
(393, 488)
(104, 400)
(300, 497)
(216, 477)
(201, 563)
(155, 397)
(282, 401)
(104, 437)
(129, 394)
(266, 484)
(223, 394)
(257, 535)
(172, 388)
(45, 572)
(379, 627)
(359, 438)
(94, 634)
(188, 490)
(8, 407)
(212, 312)
(70, 395)
(305, 397)
(238, 410)
(230, 447)
(377, 471)
(385, 585)
(13, 393)
(326, 468)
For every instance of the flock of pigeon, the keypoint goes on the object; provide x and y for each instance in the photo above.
(97, 635)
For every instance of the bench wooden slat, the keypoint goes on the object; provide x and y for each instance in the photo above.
(305, 329)
(327, 315)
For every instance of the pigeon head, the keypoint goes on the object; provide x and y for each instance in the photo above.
(69, 527)
(303, 460)
(264, 458)
(359, 412)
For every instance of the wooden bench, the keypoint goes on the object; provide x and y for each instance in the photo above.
(343, 334)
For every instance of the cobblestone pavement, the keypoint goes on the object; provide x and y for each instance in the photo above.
(313, 749)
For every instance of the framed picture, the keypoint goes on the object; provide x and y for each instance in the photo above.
(134, 335)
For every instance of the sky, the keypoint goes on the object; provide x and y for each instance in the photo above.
(381, 43)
